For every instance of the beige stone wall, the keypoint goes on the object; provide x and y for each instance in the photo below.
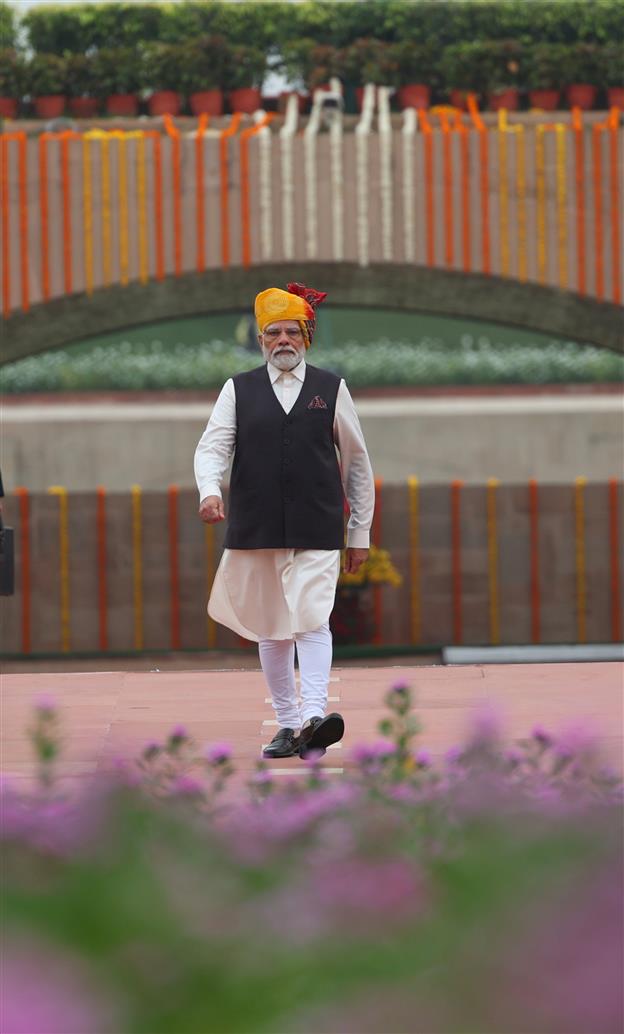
(538, 200)
(432, 592)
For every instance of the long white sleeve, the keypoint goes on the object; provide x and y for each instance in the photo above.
(214, 452)
(357, 473)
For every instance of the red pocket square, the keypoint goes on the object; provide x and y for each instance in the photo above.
(317, 403)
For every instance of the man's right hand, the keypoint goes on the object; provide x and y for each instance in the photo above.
(211, 509)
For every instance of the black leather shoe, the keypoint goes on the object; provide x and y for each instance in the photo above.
(319, 733)
(283, 745)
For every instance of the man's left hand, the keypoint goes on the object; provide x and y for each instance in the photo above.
(354, 558)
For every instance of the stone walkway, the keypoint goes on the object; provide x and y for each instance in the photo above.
(107, 714)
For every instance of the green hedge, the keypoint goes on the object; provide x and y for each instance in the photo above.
(77, 27)
(152, 366)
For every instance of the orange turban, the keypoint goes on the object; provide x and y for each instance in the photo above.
(297, 303)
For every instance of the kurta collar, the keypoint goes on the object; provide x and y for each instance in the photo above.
(298, 372)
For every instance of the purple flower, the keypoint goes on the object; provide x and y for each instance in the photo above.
(423, 759)
(187, 786)
(64, 1000)
(514, 757)
(576, 741)
(400, 687)
(177, 737)
(46, 706)
(365, 754)
(262, 777)
(453, 755)
(313, 758)
(218, 753)
(543, 737)
(151, 749)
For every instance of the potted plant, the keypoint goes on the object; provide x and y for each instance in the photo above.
(543, 71)
(582, 74)
(612, 74)
(80, 85)
(45, 77)
(502, 61)
(203, 74)
(366, 61)
(412, 67)
(11, 82)
(163, 65)
(308, 64)
(117, 79)
(352, 619)
(245, 75)
(464, 70)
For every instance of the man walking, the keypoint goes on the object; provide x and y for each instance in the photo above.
(276, 582)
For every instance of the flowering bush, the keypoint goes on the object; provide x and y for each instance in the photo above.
(377, 569)
(479, 893)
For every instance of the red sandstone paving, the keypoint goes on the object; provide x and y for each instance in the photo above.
(108, 714)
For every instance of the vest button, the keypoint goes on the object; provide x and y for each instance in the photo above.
(286, 441)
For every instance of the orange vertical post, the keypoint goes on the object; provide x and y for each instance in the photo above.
(376, 539)
(23, 208)
(199, 194)
(534, 561)
(174, 567)
(614, 553)
(598, 212)
(24, 514)
(67, 225)
(456, 487)
(579, 176)
(101, 568)
(6, 233)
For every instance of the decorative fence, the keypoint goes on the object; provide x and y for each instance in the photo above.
(526, 198)
(99, 572)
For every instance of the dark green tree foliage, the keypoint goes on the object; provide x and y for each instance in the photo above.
(7, 27)
(80, 26)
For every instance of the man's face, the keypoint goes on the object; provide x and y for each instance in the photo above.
(282, 344)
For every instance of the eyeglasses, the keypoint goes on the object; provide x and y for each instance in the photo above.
(292, 333)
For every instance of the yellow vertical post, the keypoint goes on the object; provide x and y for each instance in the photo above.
(137, 566)
(414, 561)
(581, 583)
(61, 492)
(210, 573)
(492, 547)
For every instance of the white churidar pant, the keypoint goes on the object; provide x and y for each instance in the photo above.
(277, 657)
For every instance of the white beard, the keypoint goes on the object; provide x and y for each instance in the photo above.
(287, 359)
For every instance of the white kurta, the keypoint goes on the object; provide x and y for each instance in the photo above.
(280, 593)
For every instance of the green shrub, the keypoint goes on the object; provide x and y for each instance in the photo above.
(46, 74)
(12, 73)
(152, 366)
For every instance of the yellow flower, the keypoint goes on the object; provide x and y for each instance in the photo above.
(377, 569)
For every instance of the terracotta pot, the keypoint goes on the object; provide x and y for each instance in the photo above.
(246, 100)
(615, 96)
(508, 99)
(51, 105)
(581, 95)
(122, 104)
(207, 102)
(83, 107)
(547, 100)
(164, 102)
(8, 107)
(459, 99)
(416, 95)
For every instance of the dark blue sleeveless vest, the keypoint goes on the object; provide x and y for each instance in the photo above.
(285, 490)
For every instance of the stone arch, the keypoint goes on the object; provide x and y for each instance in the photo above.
(547, 310)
